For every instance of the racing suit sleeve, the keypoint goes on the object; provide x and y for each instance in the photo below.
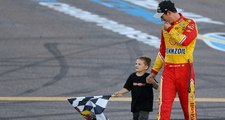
(188, 35)
(160, 57)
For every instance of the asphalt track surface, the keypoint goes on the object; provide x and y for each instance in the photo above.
(46, 53)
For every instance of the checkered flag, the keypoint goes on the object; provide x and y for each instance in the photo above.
(91, 108)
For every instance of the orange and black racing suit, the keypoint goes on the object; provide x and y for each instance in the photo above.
(176, 55)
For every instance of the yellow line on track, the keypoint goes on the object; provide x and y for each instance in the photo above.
(202, 37)
(61, 99)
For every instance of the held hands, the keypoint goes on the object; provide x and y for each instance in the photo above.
(151, 80)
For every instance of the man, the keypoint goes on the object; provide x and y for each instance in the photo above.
(178, 38)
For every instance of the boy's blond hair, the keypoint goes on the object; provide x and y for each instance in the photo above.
(147, 60)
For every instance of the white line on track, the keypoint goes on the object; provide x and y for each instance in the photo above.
(113, 25)
(104, 23)
(202, 37)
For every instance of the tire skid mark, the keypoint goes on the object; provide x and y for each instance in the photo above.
(64, 68)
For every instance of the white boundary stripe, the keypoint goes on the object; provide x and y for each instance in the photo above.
(113, 25)
(104, 23)
(203, 37)
(152, 5)
(208, 39)
(119, 99)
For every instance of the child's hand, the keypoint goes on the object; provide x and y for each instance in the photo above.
(120, 92)
(117, 94)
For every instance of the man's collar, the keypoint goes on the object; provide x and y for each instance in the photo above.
(179, 20)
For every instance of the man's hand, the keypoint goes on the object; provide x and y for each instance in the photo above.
(166, 25)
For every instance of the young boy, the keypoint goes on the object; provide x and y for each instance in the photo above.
(141, 92)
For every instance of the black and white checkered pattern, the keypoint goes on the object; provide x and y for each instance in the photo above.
(94, 105)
